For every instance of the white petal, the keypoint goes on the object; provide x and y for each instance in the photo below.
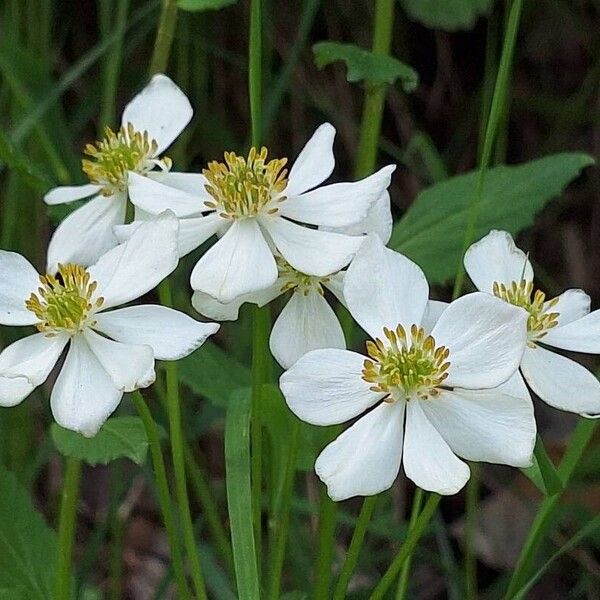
(561, 382)
(192, 183)
(428, 460)
(485, 425)
(515, 386)
(315, 162)
(496, 258)
(84, 395)
(582, 335)
(335, 284)
(87, 233)
(306, 323)
(26, 363)
(486, 338)
(326, 387)
(193, 232)
(572, 305)
(311, 251)
(154, 197)
(130, 366)
(18, 279)
(137, 266)
(383, 288)
(365, 459)
(239, 263)
(161, 109)
(339, 204)
(171, 334)
(70, 193)
(432, 314)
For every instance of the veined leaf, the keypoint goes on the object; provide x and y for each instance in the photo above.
(366, 66)
(432, 230)
(448, 15)
(120, 437)
(200, 5)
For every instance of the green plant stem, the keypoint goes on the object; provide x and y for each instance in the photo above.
(471, 510)
(255, 70)
(412, 538)
(491, 130)
(325, 546)
(370, 127)
(355, 547)
(66, 528)
(405, 573)
(579, 440)
(162, 487)
(164, 37)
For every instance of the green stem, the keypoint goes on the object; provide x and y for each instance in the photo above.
(405, 573)
(412, 538)
(471, 510)
(325, 546)
(162, 487)
(491, 130)
(581, 437)
(255, 70)
(354, 549)
(66, 528)
(164, 37)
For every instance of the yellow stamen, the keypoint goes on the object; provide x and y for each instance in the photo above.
(296, 280)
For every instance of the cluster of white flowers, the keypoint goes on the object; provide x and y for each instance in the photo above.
(438, 382)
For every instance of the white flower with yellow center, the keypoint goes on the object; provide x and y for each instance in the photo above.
(427, 396)
(259, 210)
(150, 123)
(498, 267)
(109, 352)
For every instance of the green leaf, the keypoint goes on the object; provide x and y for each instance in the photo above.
(27, 545)
(448, 15)
(200, 5)
(542, 472)
(432, 230)
(239, 493)
(120, 437)
(365, 66)
(15, 159)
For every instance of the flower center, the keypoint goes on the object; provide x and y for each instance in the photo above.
(541, 319)
(117, 154)
(296, 280)
(406, 366)
(243, 187)
(64, 302)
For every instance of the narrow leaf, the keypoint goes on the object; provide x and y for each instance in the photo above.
(200, 5)
(542, 472)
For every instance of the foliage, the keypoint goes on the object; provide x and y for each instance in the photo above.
(448, 15)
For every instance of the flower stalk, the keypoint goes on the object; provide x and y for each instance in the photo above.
(164, 37)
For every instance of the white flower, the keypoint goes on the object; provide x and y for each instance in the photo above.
(258, 211)
(150, 123)
(498, 267)
(440, 384)
(109, 353)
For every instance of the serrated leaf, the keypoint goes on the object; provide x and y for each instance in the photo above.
(543, 473)
(200, 5)
(432, 230)
(448, 15)
(120, 437)
(27, 545)
(366, 66)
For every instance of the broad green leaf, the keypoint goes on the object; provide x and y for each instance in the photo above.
(120, 437)
(432, 230)
(200, 5)
(365, 66)
(542, 472)
(448, 15)
(27, 545)
(239, 494)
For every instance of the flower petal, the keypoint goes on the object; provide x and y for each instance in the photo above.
(130, 366)
(70, 193)
(311, 251)
(171, 334)
(338, 204)
(486, 338)
(581, 335)
(515, 386)
(84, 395)
(432, 314)
(326, 387)
(18, 279)
(192, 183)
(239, 263)
(485, 425)
(193, 232)
(315, 162)
(365, 459)
(561, 382)
(496, 258)
(26, 363)
(161, 109)
(87, 233)
(306, 323)
(137, 266)
(383, 288)
(335, 284)
(428, 460)
(572, 304)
